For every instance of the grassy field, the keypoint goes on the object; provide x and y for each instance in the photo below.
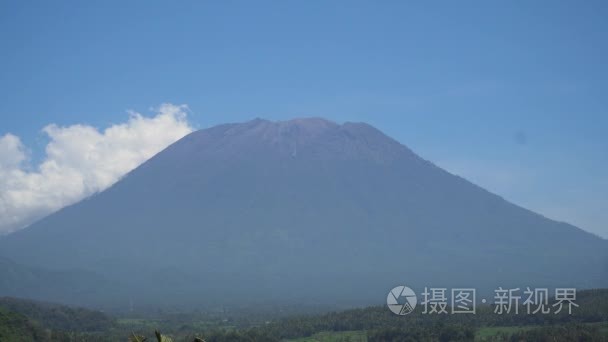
(482, 334)
(487, 332)
(602, 326)
(360, 336)
(343, 336)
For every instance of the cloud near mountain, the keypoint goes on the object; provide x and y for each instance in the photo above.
(80, 160)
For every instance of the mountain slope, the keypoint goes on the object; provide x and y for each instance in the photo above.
(271, 206)
(65, 286)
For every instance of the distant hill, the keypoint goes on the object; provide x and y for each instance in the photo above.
(301, 210)
(27, 320)
(58, 317)
(16, 327)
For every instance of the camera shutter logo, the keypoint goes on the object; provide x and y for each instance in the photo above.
(401, 300)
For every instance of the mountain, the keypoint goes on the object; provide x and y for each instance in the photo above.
(302, 210)
(65, 286)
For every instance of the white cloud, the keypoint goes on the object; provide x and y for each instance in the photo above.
(80, 160)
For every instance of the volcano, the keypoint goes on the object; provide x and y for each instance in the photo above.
(305, 209)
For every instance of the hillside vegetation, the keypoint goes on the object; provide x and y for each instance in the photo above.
(24, 320)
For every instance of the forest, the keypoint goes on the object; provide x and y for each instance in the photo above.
(27, 320)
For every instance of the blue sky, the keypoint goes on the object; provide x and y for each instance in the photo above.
(509, 94)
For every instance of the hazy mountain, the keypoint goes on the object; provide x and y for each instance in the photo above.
(303, 210)
(66, 286)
